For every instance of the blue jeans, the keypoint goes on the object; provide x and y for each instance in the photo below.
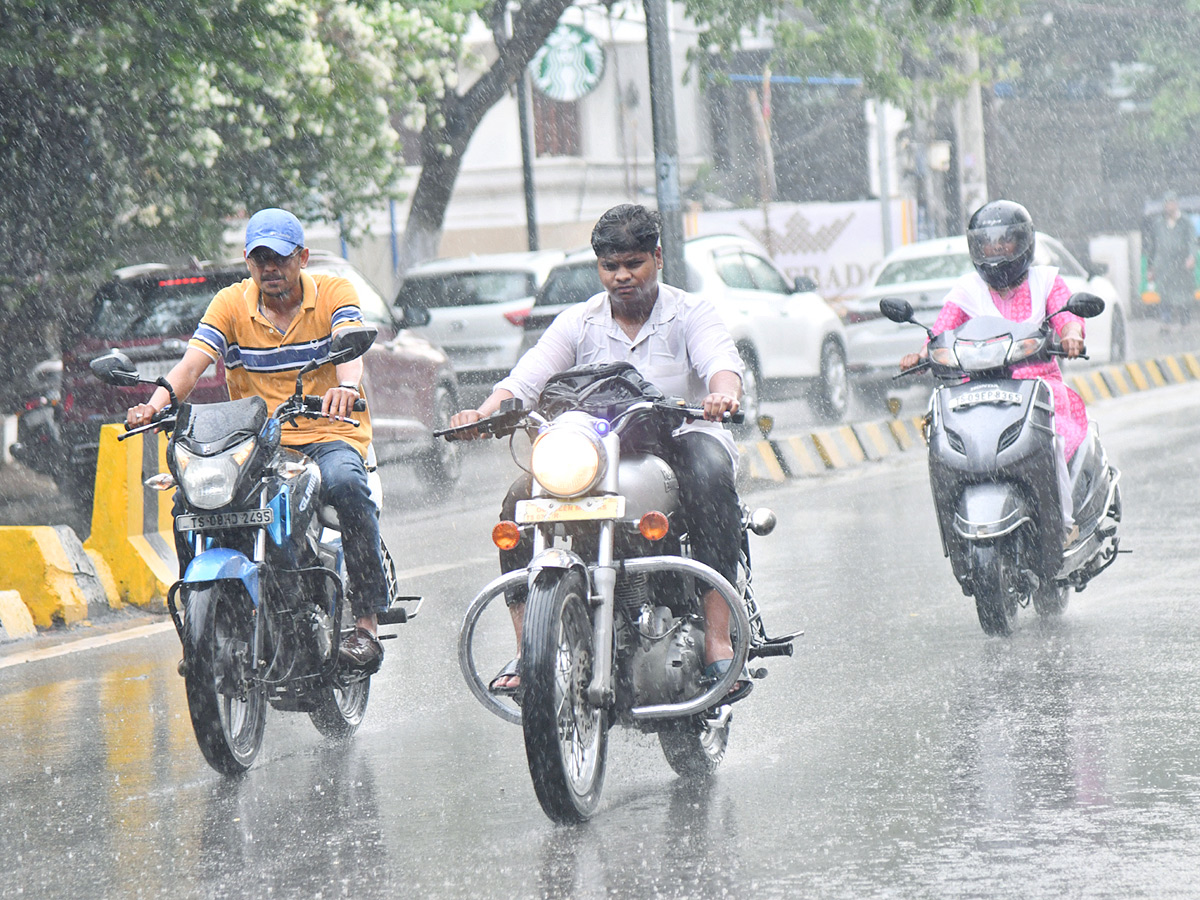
(344, 487)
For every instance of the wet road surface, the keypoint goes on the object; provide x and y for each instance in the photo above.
(899, 753)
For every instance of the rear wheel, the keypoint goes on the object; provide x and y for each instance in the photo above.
(228, 710)
(1051, 599)
(340, 711)
(832, 396)
(697, 748)
(566, 737)
(442, 463)
(995, 605)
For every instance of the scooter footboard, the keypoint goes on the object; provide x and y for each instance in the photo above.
(987, 511)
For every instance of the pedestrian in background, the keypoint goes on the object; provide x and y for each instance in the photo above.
(1172, 265)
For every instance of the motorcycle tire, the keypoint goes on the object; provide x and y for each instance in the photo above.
(697, 748)
(996, 607)
(341, 708)
(1051, 599)
(228, 710)
(566, 737)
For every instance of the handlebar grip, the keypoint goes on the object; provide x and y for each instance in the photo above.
(736, 418)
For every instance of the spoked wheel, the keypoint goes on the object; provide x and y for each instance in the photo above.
(1051, 599)
(698, 747)
(340, 711)
(995, 605)
(566, 737)
(228, 710)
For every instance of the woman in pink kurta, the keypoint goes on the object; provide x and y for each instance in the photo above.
(1070, 414)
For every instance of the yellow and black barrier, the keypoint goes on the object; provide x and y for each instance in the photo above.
(131, 523)
(833, 449)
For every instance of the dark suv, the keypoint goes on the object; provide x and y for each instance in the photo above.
(150, 311)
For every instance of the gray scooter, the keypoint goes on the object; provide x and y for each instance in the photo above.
(993, 469)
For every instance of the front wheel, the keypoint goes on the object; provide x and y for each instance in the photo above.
(228, 710)
(698, 747)
(832, 397)
(566, 737)
(995, 605)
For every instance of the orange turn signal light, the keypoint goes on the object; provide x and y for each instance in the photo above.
(506, 535)
(653, 526)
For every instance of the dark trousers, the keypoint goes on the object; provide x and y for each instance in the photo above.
(706, 490)
(344, 487)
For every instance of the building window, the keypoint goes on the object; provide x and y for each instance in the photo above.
(555, 126)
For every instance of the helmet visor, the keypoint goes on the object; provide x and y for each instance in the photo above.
(991, 244)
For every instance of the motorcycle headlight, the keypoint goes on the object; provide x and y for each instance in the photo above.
(943, 356)
(566, 461)
(976, 356)
(208, 482)
(1024, 348)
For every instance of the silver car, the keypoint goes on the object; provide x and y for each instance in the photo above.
(477, 307)
(790, 339)
(922, 273)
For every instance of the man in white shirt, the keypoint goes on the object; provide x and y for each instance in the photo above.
(678, 342)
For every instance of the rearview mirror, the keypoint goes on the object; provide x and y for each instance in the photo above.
(351, 343)
(413, 316)
(896, 309)
(115, 368)
(804, 285)
(1085, 305)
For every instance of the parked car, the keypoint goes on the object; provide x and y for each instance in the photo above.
(922, 274)
(790, 339)
(478, 306)
(150, 311)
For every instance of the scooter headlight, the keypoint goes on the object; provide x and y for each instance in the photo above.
(975, 356)
(566, 460)
(944, 356)
(209, 482)
(1024, 348)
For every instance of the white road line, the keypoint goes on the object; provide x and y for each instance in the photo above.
(105, 640)
(102, 640)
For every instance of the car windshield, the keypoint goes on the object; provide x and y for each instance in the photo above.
(465, 289)
(925, 268)
(154, 307)
(570, 284)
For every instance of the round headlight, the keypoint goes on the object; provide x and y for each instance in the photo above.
(566, 461)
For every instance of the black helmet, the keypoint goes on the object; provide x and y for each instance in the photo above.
(1000, 238)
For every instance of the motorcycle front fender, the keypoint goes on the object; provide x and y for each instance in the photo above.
(987, 511)
(223, 564)
(557, 558)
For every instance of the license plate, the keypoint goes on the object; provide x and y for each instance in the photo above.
(246, 518)
(993, 395)
(547, 509)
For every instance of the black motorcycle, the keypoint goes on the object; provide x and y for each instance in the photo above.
(613, 631)
(39, 445)
(261, 607)
(994, 467)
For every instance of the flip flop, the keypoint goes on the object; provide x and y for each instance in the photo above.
(713, 673)
(510, 669)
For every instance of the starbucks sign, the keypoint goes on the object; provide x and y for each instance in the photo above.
(569, 65)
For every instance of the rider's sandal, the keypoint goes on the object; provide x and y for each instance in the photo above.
(713, 673)
(511, 669)
(362, 650)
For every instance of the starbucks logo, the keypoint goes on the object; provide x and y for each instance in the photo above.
(569, 65)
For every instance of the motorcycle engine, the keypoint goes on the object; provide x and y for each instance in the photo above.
(669, 661)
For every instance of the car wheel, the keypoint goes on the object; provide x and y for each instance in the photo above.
(1119, 346)
(751, 404)
(831, 397)
(442, 463)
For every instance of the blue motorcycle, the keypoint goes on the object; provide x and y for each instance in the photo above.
(261, 607)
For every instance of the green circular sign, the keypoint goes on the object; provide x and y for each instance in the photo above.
(569, 65)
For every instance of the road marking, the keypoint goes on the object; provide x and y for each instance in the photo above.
(442, 567)
(101, 640)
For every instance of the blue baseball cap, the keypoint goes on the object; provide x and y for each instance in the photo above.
(274, 228)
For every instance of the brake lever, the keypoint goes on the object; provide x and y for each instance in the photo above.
(154, 424)
(915, 370)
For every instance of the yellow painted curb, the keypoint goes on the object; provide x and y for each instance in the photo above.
(1122, 386)
(34, 563)
(1137, 376)
(1174, 369)
(873, 441)
(769, 461)
(1155, 374)
(838, 447)
(15, 619)
(799, 456)
(1193, 365)
(1083, 389)
(1101, 386)
(131, 524)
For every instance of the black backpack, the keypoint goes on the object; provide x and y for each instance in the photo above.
(605, 390)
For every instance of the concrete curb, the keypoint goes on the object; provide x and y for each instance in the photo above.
(50, 571)
(778, 459)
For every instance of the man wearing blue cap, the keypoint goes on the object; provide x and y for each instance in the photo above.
(264, 329)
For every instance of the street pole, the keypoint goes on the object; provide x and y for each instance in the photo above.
(531, 228)
(666, 145)
(885, 181)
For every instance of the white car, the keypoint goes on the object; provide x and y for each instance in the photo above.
(477, 307)
(790, 339)
(922, 274)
